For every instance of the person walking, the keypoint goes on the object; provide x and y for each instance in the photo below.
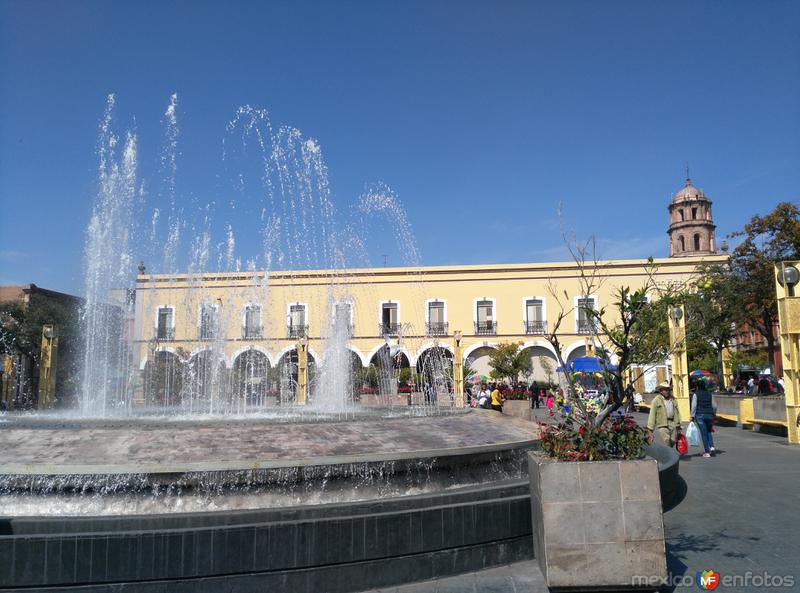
(665, 418)
(550, 401)
(497, 399)
(535, 395)
(703, 410)
(484, 397)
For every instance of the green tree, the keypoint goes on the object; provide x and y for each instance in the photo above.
(508, 361)
(21, 332)
(765, 240)
(710, 316)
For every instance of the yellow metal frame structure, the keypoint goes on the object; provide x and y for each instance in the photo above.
(680, 364)
(789, 319)
(48, 363)
(302, 372)
(458, 370)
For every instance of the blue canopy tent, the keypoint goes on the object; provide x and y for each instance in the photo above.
(589, 364)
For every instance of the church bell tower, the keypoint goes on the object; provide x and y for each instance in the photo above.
(691, 224)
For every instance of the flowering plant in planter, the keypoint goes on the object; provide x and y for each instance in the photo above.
(614, 438)
(517, 394)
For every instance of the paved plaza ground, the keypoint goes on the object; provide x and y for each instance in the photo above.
(739, 514)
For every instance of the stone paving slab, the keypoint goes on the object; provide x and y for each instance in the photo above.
(226, 445)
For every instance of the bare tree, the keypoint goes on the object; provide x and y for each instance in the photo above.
(632, 328)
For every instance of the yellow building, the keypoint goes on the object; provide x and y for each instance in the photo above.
(249, 323)
(419, 308)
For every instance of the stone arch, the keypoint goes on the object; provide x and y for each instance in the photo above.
(574, 350)
(145, 359)
(163, 379)
(696, 240)
(240, 351)
(477, 357)
(681, 244)
(544, 363)
(286, 371)
(435, 367)
(205, 376)
(363, 360)
(250, 377)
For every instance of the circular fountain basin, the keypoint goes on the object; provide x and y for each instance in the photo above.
(66, 466)
(261, 504)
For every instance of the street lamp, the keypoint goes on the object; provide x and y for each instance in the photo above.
(458, 369)
(788, 277)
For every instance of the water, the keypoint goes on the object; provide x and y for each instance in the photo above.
(278, 177)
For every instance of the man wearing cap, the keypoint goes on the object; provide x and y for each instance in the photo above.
(665, 419)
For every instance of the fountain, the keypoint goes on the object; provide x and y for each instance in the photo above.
(177, 471)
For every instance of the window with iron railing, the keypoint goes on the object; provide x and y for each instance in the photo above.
(436, 324)
(389, 329)
(436, 328)
(252, 322)
(209, 321)
(165, 329)
(390, 320)
(297, 327)
(535, 327)
(587, 324)
(534, 316)
(485, 328)
(297, 331)
(484, 314)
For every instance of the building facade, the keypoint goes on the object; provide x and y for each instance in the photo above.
(255, 321)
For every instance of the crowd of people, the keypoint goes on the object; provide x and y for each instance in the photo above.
(492, 396)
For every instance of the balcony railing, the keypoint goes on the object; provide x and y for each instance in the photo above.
(252, 333)
(535, 328)
(297, 331)
(436, 328)
(207, 332)
(485, 328)
(166, 334)
(587, 327)
(389, 329)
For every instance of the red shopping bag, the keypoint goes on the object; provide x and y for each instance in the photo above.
(681, 445)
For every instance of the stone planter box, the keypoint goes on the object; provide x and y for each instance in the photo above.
(518, 408)
(598, 524)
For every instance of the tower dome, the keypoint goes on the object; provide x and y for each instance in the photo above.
(688, 192)
(691, 224)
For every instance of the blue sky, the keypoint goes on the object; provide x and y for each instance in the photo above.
(481, 116)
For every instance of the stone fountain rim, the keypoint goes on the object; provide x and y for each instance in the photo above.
(45, 469)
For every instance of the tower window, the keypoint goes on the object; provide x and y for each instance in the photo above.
(694, 213)
(697, 242)
(680, 212)
(681, 244)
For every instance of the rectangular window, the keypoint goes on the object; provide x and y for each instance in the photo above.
(208, 322)
(164, 328)
(297, 321)
(343, 316)
(485, 314)
(437, 326)
(252, 321)
(586, 322)
(390, 324)
(694, 213)
(534, 319)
